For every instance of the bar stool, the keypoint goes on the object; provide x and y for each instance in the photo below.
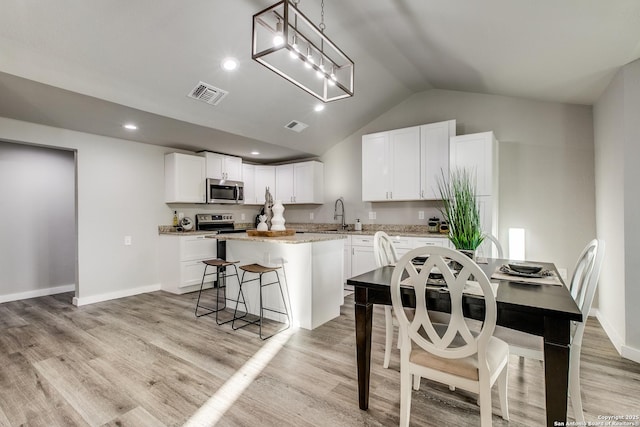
(221, 282)
(260, 270)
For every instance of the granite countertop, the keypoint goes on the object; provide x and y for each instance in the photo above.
(296, 238)
(326, 229)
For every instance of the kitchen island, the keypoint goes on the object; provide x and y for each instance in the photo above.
(312, 273)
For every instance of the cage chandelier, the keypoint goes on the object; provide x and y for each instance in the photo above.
(289, 44)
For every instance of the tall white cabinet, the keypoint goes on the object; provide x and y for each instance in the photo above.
(404, 164)
(478, 153)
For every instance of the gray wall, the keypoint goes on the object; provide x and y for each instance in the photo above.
(38, 233)
(547, 182)
(617, 152)
(120, 192)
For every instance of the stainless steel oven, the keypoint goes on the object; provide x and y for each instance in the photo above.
(225, 191)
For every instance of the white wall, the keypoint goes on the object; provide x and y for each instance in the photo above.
(632, 208)
(120, 192)
(547, 182)
(617, 128)
(37, 205)
(609, 118)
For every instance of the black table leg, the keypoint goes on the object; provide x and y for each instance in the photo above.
(363, 312)
(556, 369)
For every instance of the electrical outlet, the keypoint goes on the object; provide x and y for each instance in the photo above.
(420, 214)
(311, 216)
(372, 215)
(127, 240)
(242, 217)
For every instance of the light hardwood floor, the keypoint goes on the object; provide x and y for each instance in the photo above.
(147, 361)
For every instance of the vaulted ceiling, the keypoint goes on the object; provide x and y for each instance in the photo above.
(94, 65)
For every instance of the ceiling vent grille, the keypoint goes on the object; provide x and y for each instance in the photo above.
(207, 93)
(296, 126)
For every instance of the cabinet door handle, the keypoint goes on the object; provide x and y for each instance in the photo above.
(391, 195)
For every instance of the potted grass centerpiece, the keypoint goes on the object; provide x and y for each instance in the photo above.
(460, 209)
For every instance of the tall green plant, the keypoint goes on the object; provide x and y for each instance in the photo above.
(460, 209)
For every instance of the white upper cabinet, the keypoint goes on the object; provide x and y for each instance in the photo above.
(391, 165)
(248, 177)
(376, 168)
(434, 156)
(284, 184)
(221, 166)
(404, 155)
(184, 178)
(403, 164)
(478, 153)
(265, 177)
(301, 182)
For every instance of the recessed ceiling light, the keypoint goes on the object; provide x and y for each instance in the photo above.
(255, 153)
(229, 64)
(130, 126)
(318, 107)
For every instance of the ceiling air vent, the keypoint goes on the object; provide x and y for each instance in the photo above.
(296, 126)
(207, 93)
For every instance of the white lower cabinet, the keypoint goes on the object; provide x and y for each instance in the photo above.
(418, 242)
(362, 259)
(358, 251)
(180, 262)
(347, 259)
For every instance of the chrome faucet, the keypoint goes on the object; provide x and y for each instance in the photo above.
(341, 214)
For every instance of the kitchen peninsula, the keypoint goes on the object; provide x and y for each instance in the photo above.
(312, 273)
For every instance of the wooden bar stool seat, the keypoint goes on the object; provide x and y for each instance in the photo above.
(260, 270)
(222, 274)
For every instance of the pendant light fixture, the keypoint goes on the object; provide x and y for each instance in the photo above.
(289, 44)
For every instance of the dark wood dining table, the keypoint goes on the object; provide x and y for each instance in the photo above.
(544, 310)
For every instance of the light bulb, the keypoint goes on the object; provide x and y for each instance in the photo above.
(309, 60)
(296, 49)
(318, 108)
(278, 39)
(320, 72)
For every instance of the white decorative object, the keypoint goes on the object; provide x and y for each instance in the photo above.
(277, 221)
(262, 226)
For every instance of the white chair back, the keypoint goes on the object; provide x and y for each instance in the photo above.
(457, 341)
(486, 248)
(383, 250)
(584, 283)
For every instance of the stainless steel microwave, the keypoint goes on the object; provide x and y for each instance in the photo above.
(224, 191)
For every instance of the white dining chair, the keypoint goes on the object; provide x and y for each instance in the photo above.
(450, 353)
(384, 254)
(584, 282)
(491, 241)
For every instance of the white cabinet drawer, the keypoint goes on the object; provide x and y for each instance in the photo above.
(362, 241)
(429, 241)
(191, 273)
(197, 248)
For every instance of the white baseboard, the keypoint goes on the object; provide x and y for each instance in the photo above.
(616, 340)
(631, 353)
(115, 295)
(37, 293)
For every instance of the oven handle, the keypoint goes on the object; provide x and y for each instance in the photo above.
(237, 194)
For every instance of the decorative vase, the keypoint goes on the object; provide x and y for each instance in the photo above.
(469, 252)
(277, 221)
(262, 226)
(268, 203)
